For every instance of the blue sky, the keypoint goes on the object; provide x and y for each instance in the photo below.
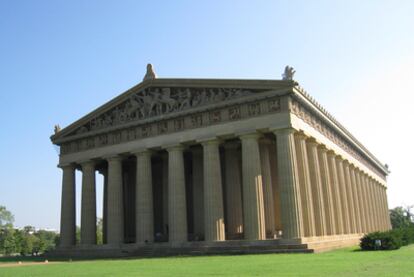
(61, 59)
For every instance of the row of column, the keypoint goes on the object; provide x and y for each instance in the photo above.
(336, 197)
(249, 197)
(319, 193)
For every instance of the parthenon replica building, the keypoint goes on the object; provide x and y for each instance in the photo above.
(216, 165)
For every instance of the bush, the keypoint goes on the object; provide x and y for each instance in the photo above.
(390, 240)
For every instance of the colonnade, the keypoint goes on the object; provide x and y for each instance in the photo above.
(281, 183)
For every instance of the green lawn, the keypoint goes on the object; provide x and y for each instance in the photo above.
(345, 262)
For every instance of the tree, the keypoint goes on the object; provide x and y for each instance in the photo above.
(6, 217)
(401, 217)
(99, 231)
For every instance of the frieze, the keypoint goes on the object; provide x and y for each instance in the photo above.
(154, 102)
(310, 118)
(202, 119)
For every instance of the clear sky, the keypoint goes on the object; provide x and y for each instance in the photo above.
(61, 59)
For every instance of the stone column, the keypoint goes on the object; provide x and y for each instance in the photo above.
(380, 206)
(350, 199)
(372, 201)
(213, 192)
(144, 213)
(164, 158)
(367, 212)
(358, 222)
(317, 192)
(88, 204)
(275, 185)
(177, 207)
(384, 207)
(115, 201)
(253, 208)
(326, 190)
(234, 209)
(361, 200)
(305, 186)
(269, 206)
(68, 208)
(198, 195)
(388, 219)
(290, 197)
(342, 190)
(336, 194)
(376, 206)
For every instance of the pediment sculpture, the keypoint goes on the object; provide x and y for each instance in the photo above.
(153, 102)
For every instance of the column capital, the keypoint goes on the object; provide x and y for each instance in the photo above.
(143, 151)
(210, 141)
(114, 157)
(174, 147)
(322, 148)
(284, 131)
(312, 142)
(67, 166)
(247, 136)
(331, 154)
(301, 135)
(86, 163)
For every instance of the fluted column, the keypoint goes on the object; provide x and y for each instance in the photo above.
(371, 205)
(380, 206)
(305, 186)
(177, 208)
(144, 213)
(290, 198)
(336, 194)
(317, 192)
(327, 191)
(343, 193)
(350, 199)
(267, 189)
(213, 192)
(68, 208)
(253, 207)
(234, 209)
(376, 205)
(358, 222)
(198, 195)
(115, 201)
(88, 204)
(367, 211)
(389, 226)
(164, 159)
(361, 200)
(385, 208)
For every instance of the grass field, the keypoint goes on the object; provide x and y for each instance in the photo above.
(345, 262)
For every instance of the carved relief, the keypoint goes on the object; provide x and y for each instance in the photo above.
(152, 102)
(274, 105)
(327, 131)
(234, 113)
(254, 109)
(215, 116)
(196, 120)
(178, 124)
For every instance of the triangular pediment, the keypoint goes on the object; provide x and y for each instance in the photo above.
(161, 98)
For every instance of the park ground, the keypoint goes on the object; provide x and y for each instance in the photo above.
(344, 262)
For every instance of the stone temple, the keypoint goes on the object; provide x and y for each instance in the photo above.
(193, 166)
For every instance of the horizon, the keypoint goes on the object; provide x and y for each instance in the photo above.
(62, 61)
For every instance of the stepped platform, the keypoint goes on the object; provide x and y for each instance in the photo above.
(197, 248)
